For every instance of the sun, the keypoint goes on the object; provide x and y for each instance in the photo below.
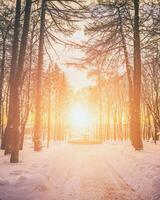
(80, 116)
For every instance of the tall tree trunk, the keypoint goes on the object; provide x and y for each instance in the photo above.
(99, 81)
(38, 113)
(136, 131)
(6, 141)
(49, 119)
(1, 84)
(28, 106)
(18, 85)
(130, 81)
(49, 110)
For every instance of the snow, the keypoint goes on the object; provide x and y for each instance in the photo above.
(111, 171)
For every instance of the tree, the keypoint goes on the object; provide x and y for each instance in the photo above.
(6, 24)
(136, 131)
(6, 141)
(113, 23)
(18, 84)
(60, 16)
(37, 131)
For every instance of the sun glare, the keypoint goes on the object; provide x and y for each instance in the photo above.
(80, 116)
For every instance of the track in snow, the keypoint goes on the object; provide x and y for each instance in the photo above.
(82, 173)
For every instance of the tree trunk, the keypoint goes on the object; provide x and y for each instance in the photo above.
(6, 141)
(136, 131)
(49, 119)
(1, 85)
(23, 124)
(18, 84)
(38, 113)
(130, 82)
(49, 111)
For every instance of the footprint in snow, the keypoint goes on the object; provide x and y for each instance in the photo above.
(40, 188)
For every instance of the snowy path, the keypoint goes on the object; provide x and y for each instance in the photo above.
(81, 172)
(87, 177)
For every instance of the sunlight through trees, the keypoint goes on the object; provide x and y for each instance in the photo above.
(114, 43)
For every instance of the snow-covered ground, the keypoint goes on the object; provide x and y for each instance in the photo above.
(112, 171)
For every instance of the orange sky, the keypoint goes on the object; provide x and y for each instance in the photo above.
(77, 78)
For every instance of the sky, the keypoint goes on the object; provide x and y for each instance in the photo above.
(76, 77)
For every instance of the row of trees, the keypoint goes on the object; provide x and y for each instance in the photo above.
(123, 50)
(121, 55)
(28, 29)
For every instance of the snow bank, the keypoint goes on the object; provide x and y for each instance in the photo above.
(26, 180)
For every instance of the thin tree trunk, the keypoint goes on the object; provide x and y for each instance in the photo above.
(28, 92)
(136, 131)
(99, 103)
(1, 84)
(49, 111)
(130, 82)
(49, 119)
(38, 111)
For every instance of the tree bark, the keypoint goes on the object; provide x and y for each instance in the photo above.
(130, 81)
(6, 141)
(18, 84)
(136, 131)
(38, 113)
(1, 84)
